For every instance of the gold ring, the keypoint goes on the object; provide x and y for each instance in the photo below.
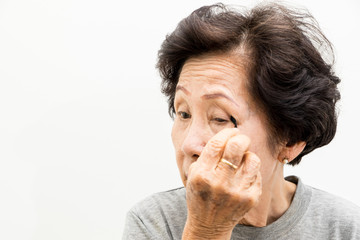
(229, 163)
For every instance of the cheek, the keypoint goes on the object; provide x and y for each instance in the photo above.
(177, 140)
(257, 133)
(259, 145)
(176, 137)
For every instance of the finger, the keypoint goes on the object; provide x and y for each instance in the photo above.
(257, 185)
(234, 151)
(248, 172)
(255, 191)
(215, 147)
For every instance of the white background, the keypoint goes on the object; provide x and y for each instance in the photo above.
(84, 130)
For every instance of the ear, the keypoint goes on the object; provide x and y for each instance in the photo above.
(291, 152)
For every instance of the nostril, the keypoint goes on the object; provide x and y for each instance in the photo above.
(193, 145)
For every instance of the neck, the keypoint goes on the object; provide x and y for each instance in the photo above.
(274, 201)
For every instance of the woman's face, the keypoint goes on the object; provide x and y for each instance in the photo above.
(211, 88)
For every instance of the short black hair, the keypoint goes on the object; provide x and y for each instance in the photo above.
(289, 79)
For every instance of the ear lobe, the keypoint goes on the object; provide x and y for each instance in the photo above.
(291, 152)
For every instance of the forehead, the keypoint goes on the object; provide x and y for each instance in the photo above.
(214, 72)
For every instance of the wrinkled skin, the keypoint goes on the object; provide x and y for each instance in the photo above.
(217, 194)
(210, 90)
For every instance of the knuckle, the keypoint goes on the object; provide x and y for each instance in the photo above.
(245, 196)
(253, 163)
(224, 191)
(193, 167)
(252, 201)
(234, 146)
(245, 140)
(237, 197)
(239, 142)
(218, 187)
(215, 145)
(249, 179)
(256, 162)
(198, 180)
(250, 198)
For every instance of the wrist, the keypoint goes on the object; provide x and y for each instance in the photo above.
(199, 232)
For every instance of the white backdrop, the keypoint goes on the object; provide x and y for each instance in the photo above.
(84, 130)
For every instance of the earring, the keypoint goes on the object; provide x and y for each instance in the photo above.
(285, 160)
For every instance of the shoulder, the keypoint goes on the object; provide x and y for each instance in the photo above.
(341, 216)
(170, 200)
(157, 216)
(335, 204)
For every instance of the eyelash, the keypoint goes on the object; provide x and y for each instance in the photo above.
(220, 120)
(180, 113)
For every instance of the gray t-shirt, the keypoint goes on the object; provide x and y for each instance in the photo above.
(313, 214)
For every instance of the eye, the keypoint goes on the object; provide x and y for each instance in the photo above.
(183, 115)
(220, 120)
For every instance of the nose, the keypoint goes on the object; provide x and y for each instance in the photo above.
(197, 136)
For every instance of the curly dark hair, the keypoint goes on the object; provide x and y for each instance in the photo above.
(289, 78)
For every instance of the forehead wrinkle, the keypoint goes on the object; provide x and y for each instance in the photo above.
(219, 60)
(220, 69)
(217, 69)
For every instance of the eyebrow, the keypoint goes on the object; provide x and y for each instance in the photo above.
(207, 96)
(181, 88)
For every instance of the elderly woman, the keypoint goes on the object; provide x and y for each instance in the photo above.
(249, 93)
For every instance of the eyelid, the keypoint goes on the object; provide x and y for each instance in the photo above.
(219, 119)
(179, 105)
(220, 113)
